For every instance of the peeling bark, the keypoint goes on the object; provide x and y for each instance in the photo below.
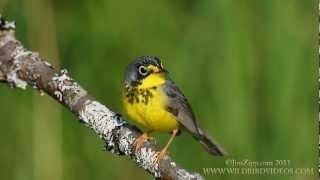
(20, 67)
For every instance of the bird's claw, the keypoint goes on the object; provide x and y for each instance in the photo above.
(140, 140)
(160, 155)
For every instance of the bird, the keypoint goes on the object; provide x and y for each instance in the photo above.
(152, 100)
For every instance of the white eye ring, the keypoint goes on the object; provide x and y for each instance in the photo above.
(143, 70)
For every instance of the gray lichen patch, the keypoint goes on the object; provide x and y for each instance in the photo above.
(125, 142)
(48, 64)
(6, 26)
(59, 95)
(173, 164)
(67, 89)
(6, 39)
(64, 82)
(15, 81)
(20, 53)
(102, 121)
(146, 159)
(18, 56)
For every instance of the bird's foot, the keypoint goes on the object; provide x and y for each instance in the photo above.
(160, 155)
(140, 140)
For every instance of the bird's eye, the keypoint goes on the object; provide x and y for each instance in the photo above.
(143, 70)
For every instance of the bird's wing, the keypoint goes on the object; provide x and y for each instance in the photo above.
(178, 105)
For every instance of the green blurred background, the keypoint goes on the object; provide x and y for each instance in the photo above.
(247, 67)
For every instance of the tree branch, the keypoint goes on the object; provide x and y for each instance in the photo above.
(20, 67)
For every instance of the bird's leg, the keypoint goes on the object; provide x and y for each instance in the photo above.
(140, 140)
(160, 155)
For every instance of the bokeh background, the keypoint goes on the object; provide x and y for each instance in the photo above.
(247, 67)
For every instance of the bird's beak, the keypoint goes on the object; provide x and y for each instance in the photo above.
(157, 70)
(161, 71)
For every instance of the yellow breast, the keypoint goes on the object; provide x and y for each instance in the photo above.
(146, 105)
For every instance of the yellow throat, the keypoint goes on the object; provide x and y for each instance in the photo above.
(146, 104)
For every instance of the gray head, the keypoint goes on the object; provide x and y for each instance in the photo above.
(142, 67)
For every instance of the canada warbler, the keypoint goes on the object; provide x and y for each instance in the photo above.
(151, 99)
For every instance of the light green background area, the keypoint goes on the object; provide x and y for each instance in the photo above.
(247, 67)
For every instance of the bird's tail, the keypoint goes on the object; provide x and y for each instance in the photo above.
(210, 145)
